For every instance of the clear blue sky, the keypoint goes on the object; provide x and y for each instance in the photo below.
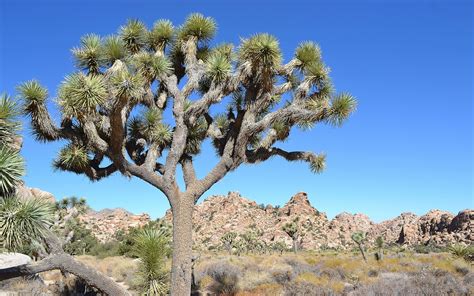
(410, 64)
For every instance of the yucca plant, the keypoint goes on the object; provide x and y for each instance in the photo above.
(9, 124)
(462, 251)
(24, 221)
(151, 247)
(112, 110)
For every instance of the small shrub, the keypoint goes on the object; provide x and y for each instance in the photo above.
(282, 276)
(225, 279)
(304, 288)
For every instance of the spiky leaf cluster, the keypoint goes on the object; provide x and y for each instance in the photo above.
(72, 158)
(218, 66)
(126, 84)
(318, 163)
(308, 53)
(81, 94)
(160, 35)
(198, 26)
(262, 51)
(11, 169)
(151, 246)
(24, 221)
(150, 127)
(196, 134)
(358, 237)
(113, 49)
(291, 228)
(151, 66)
(90, 56)
(341, 107)
(33, 94)
(9, 123)
(134, 35)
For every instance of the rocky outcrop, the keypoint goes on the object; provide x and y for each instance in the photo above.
(25, 192)
(218, 215)
(105, 223)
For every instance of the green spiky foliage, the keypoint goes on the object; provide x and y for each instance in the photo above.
(198, 26)
(161, 35)
(33, 94)
(90, 55)
(81, 94)
(151, 66)
(113, 49)
(262, 52)
(143, 103)
(465, 252)
(318, 163)
(134, 35)
(308, 53)
(341, 108)
(151, 248)
(72, 158)
(151, 127)
(11, 170)
(9, 123)
(218, 67)
(24, 221)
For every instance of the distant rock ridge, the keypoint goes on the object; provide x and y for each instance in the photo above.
(105, 223)
(219, 214)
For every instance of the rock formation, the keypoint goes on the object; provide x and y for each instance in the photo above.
(218, 215)
(105, 223)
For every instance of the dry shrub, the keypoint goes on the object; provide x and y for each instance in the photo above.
(322, 282)
(225, 279)
(421, 283)
(268, 289)
(304, 288)
(252, 278)
(122, 269)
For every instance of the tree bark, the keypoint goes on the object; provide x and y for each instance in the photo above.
(182, 247)
(67, 263)
(295, 245)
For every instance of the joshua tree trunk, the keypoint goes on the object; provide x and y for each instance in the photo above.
(361, 248)
(182, 248)
(295, 245)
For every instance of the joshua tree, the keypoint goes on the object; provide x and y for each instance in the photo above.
(359, 238)
(113, 119)
(292, 229)
(228, 241)
(379, 243)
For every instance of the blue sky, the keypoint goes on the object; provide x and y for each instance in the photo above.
(410, 64)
